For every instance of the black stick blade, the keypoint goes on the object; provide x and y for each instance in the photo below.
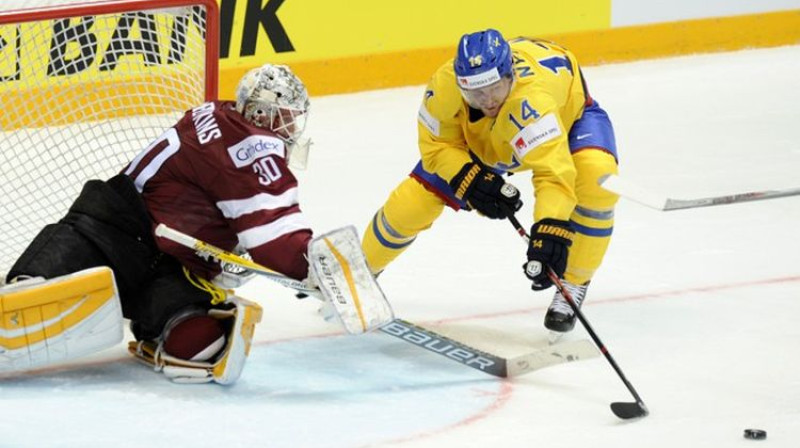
(627, 411)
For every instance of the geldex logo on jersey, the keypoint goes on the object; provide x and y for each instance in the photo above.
(255, 147)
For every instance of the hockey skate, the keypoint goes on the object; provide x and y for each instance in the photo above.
(560, 318)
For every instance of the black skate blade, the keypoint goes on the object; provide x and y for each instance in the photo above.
(627, 411)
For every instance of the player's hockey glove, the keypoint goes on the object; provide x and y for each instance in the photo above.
(549, 246)
(485, 191)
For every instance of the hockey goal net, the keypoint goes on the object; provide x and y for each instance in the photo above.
(83, 88)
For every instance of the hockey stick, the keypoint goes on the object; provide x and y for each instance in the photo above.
(205, 250)
(623, 410)
(636, 193)
(485, 361)
(430, 340)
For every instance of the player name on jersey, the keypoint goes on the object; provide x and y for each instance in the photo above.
(204, 123)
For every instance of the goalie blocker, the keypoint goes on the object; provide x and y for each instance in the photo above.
(338, 267)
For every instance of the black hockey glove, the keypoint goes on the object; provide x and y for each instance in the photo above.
(549, 247)
(485, 191)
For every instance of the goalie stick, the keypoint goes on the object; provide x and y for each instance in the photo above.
(430, 340)
(487, 362)
(636, 193)
(623, 410)
(205, 250)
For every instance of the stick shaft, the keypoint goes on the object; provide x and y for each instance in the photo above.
(637, 193)
(205, 249)
(557, 282)
(679, 204)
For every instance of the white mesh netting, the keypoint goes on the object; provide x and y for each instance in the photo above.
(80, 96)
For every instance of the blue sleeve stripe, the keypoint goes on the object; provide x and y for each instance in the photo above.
(591, 231)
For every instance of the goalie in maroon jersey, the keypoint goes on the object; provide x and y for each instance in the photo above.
(221, 175)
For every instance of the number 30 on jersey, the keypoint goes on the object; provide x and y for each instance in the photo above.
(268, 172)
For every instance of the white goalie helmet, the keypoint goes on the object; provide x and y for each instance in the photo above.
(272, 97)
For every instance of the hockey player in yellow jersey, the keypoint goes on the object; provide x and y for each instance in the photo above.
(510, 106)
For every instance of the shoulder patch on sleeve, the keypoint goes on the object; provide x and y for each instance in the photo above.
(255, 147)
(535, 134)
(428, 120)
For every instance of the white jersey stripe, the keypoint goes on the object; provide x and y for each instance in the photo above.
(173, 145)
(259, 235)
(235, 208)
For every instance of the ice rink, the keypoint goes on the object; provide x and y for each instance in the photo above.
(699, 307)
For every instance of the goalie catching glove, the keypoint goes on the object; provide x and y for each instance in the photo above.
(485, 191)
(549, 247)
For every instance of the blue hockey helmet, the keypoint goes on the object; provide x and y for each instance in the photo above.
(482, 58)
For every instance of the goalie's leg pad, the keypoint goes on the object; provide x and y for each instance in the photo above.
(43, 322)
(340, 270)
(194, 335)
(226, 368)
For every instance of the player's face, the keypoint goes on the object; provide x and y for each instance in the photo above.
(490, 98)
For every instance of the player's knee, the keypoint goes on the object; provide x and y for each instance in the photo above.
(593, 216)
(591, 166)
(411, 208)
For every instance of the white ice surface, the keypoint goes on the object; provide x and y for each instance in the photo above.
(699, 307)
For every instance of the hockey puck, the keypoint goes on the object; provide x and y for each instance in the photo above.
(755, 434)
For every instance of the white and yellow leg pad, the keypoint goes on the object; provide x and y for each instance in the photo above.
(338, 267)
(44, 322)
(227, 367)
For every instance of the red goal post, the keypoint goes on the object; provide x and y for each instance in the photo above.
(83, 88)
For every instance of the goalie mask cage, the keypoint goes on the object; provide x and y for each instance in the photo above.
(83, 88)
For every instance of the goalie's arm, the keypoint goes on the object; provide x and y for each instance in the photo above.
(339, 264)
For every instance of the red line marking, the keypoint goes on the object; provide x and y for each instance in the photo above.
(632, 298)
(502, 397)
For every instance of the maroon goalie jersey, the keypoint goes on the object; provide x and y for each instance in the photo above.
(222, 180)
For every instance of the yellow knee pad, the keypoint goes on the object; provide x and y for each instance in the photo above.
(409, 210)
(593, 217)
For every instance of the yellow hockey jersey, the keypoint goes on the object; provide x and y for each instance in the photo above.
(529, 133)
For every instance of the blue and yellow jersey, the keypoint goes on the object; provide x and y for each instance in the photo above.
(529, 133)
